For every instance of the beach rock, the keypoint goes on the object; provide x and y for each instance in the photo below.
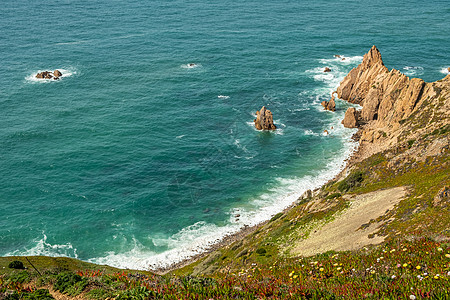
(57, 73)
(327, 69)
(448, 69)
(264, 120)
(351, 119)
(337, 56)
(329, 105)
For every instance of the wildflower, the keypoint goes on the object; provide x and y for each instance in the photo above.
(439, 249)
(447, 255)
(399, 265)
(295, 276)
(405, 265)
(335, 265)
(448, 273)
(372, 272)
(418, 267)
(419, 277)
(393, 277)
(339, 268)
(412, 297)
(436, 276)
(392, 250)
(404, 249)
(321, 269)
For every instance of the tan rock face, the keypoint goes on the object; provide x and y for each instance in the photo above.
(49, 75)
(264, 120)
(386, 97)
(329, 105)
(351, 119)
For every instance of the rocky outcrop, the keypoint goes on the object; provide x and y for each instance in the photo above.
(49, 75)
(57, 73)
(351, 119)
(327, 69)
(396, 111)
(264, 120)
(442, 196)
(386, 96)
(329, 105)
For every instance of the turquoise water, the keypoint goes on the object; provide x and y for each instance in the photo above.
(137, 159)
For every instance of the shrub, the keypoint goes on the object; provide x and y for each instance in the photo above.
(261, 251)
(276, 217)
(332, 196)
(16, 264)
(20, 277)
(410, 143)
(70, 283)
(351, 181)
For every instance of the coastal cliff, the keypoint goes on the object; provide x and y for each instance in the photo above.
(392, 104)
(378, 230)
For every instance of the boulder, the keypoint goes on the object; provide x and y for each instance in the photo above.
(327, 69)
(337, 56)
(329, 105)
(442, 196)
(448, 69)
(57, 73)
(264, 120)
(351, 119)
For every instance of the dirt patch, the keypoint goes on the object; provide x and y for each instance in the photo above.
(344, 232)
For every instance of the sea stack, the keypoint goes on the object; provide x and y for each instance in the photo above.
(264, 120)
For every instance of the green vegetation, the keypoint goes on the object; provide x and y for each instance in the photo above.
(16, 264)
(351, 181)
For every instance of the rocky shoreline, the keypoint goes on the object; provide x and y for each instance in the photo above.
(389, 99)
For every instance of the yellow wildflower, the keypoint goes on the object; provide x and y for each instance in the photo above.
(295, 276)
(321, 269)
(372, 272)
(339, 268)
(439, 249)
(447, 255)
(418, 267)
(405, 265)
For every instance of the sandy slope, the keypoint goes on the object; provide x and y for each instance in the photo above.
(342, 233)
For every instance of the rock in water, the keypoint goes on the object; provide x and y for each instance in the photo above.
(327, 69)
(329, 105)
(351, 119)
(57, 73)
(264, 120)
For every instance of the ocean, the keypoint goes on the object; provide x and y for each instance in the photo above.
(144, 153)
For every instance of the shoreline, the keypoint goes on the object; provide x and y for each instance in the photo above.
(348, 162)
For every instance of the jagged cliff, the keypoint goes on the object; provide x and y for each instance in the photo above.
(389, 101)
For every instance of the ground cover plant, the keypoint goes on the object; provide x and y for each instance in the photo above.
(417, 269)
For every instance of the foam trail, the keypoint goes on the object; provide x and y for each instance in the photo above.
(445, 70)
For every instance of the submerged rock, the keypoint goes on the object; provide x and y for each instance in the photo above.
(327, 69)
(264, 120)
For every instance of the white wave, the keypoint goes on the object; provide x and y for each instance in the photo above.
(445, 70)
(191, 66)
(223, 97)
(180, 136)
(42, 247)
(412, 71)
(65, 73)
(342, 59)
